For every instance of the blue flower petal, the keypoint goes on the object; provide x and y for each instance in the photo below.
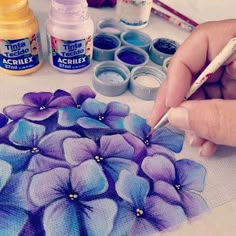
(100, 216)
(94, 107)
(55, 186)
(115, 146)
(62, 218)
(88, 179)
(162, 214)
(78, 150)
(137, 126)
(27, 134)
(13, 220)
(115, 165)
(68, 116)
(190, 175)
(5, 173)
(51, 145)
(117, 109)
(18, 159)
(124, 220)
(90, 123)
(193, 204)
(132, 188)
(167, 138)
(115, 122)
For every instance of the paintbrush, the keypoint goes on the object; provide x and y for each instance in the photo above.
(215, 64)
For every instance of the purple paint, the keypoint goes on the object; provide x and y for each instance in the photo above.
(131, 57)
(105, 42)
(166, 46)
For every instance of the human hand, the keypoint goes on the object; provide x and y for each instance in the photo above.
(212, 120)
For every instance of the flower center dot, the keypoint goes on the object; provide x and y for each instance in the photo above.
(146, 142)
(101, 118)
(178, 186)
(98, 158)
(78, 106)
(35, 150)
(42, 108)
(139, 212)
(73, 196)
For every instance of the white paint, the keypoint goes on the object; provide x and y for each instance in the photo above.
(147, 81)
(111, 30)
(111, 78)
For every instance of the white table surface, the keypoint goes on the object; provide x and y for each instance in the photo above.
(221, 220)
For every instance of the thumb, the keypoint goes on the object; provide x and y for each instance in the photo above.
(213, 120)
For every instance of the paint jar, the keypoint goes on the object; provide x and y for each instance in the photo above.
(161, 48)
(134, 14)
(104, 46)
(131, 56)
(111, 78)
(110, 26)
(70, 31)
(136, 38)
(166, 63)
(145, 82)
(20, 44)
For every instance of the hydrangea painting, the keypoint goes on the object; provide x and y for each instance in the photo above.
(72, 165)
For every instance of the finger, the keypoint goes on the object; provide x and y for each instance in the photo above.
(207, 149)
(159, 107)
(193, 139)
(213, 120)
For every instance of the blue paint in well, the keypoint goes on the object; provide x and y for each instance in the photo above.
(131, 57)
(105, 42)
(135, 42)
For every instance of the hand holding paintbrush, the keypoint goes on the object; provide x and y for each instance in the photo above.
(187, 62)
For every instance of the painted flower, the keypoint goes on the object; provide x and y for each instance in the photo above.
(141, 213)
(71, 200)
(3, 120)
(178, 182)
(12, 213)
(112, 154)
(29, 140)
(39, 106)
(154, 143)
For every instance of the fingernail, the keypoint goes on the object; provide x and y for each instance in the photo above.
(179, 118)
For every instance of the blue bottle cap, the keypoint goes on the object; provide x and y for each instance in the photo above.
(131, 56)
(104, 46)
(111, 78)
(136, 38)
(145, 82)
(161, 48)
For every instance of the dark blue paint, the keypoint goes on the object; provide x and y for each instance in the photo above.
(166, 46)
(131, 57)
(105, 42)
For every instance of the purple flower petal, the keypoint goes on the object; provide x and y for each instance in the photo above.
(78, 150)
(157, 149)
(94, 107)
(27, 134)
(137, 126)
(63, 101)
(167, 192)
(115, 122)
(165, 137)
(190, 174)
(99, 220)
(159, 167)
(135, 192)
(60, 93)
(193, 204)
(52, 144)
(39, 115)
(55, 182)
(80, 94)
(163, 214)
(142, 227)
(115, 146)
(15, 112)
(5, 173)
(62, 218)
(3, 120)
(115, 165)
(88, 179)
(37, 99)
(117, 109)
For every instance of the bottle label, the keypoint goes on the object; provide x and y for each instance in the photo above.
(20, 54)
(70, 54)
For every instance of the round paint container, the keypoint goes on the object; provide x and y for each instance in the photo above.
(111, 78)
(145, 82)
(136, 38)
(110, 26)
(166, 63)
(104, 46)
(162, 48)
(131, 56)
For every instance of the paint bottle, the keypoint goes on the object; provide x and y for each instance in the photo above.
(70, 35)
(134, 14)
(20, 44)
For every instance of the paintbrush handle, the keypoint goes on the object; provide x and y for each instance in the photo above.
(216, 63)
